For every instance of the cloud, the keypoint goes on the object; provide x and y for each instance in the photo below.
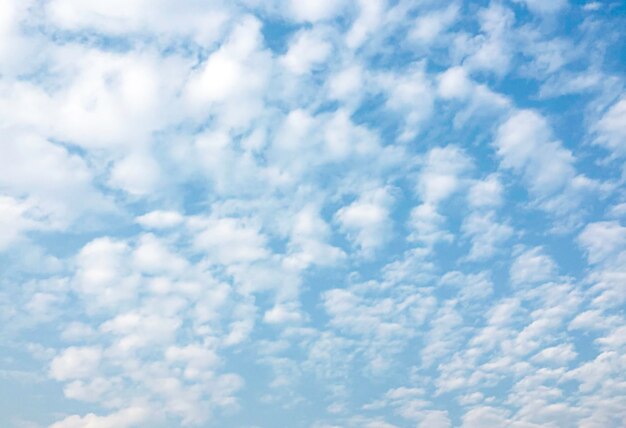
(128, 417)
(532, 266)
(491, 51)
(137, 17)
(526, 146)
(160, 219)
(486, 235)
(57, 184)
(102, 273)
(137, 174)
(229, 240)
(367, 22)
(485, 416)
(428, 226)
(230, 83)
(306, 50)
(309, 237)
(14, 221)
(366, 220)
(611, 129)
(442, 173)
(315, 11)
(603, 240)
(441, 176)
(524, 143)
(486, 193)
(428, 27)
(76, 363)
(410, 94)
(454, 83)
(560, 355)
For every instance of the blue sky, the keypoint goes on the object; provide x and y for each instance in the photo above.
(315, 214)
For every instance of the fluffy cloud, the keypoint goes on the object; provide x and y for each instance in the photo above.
(123, 418)
(532, 266)
(611, 129)
(525, 144)
(76, 363)
(138, 17)
(366, 220)
(305, 51)
(603, 240)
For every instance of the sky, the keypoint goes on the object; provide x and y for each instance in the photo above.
(312, 213)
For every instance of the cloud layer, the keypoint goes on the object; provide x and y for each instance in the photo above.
(315, 213)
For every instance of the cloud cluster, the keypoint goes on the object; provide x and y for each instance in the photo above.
(355, 213)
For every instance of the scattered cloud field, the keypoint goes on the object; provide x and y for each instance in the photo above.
(312, 214)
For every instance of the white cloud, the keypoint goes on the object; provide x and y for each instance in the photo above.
(611, 129)
(491, 50)
(112, 100)
(616, 339)
(132, 17)
(592, 6)
(313, 11)
(231, 82)
(304, 141)
(442, 174)
(369, 19)
(486, 234)
(346, 83)
(526, 145)
(283, 313)
(428, 226)
(603, 240)
(44, 306)
(309, 237)
(379, 325)
(76, 363)
(589, 320)
(160, 219)
(435, 419)
(470, 287)
(195, 358)
(366, 220)
(307, 50)
(485, 417)
(428, 27)
(125, 418)
(229, 240)
(14, 221)
(152, 256)
(454, 83)
(15, 48)
(559, 355)
(618, 210)
(137, 174)
(411, 95)
(57, 183)
(532, 266)
(102, 275)
(486, 193)
(443, 335)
